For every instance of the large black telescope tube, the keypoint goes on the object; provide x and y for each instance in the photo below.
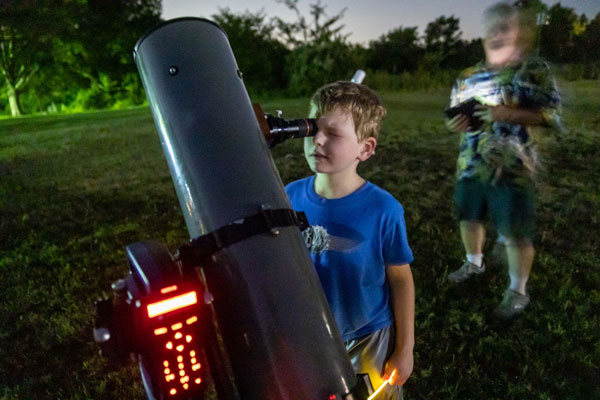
(280, 336)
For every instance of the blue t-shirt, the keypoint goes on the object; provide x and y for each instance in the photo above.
(365, 232)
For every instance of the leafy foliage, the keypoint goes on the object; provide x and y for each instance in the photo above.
(592, 40)
(320, 52)
(75, 52)
(99, 50)
(442, 37)
(261, 58)
(397, 51)
(75, 55)
(27, 29)
(314, 65)
(302, 31)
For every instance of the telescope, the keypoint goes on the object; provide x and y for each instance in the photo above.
(238, 312)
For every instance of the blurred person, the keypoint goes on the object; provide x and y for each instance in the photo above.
(497, 161)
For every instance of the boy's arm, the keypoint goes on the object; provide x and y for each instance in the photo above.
(402, 291)
(516, 116)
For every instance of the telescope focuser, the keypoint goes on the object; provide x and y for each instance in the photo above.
(277, 130)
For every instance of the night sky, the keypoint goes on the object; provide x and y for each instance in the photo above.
(368, 20)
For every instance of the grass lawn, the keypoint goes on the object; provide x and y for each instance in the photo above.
(75, 190)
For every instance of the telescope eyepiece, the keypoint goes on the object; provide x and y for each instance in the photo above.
(281, 129)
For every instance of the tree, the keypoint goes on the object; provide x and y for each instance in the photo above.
(320, 52)
(302, 31)
(260, 56)
(466, 54)
(592, 40)
(27, 29)
(55, 50)
(557, 35)
(442, 38)
(99, 48)
(396, 51)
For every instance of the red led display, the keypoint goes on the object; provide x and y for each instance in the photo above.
(175, 337)
(171, 304)
(182, 368)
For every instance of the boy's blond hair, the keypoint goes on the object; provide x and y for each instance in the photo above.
(352, 98)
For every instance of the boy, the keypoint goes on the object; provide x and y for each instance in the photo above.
(364, 263)
(497, 162)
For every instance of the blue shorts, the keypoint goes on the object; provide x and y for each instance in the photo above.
(510, 206)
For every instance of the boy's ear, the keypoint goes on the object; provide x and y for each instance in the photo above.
(368, 148)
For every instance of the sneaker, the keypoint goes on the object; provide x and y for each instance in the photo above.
(465, 271)
(513, 303)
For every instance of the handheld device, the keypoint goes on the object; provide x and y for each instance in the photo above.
(466, 108)
(159, 315)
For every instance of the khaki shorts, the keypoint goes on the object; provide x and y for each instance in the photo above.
(369, 353)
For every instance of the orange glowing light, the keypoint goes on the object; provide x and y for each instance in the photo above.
(168, 289)
(167, 371)
(179, 348)
(192, 353)
(178, 335)
(169, 378)
(169, 345)
(173, 392)
(181, 366)
(179, 358)
(166, 363)
(160, 331)
(172, 304)
(188, 338)
(182, 373)
(185, 379)
(198, 380)
(196, 367)
(176, 326)
(382, 386)
(186, 386)
(191, 320)
(193, 361)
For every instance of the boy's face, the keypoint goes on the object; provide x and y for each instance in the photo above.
(335, 148)
(501, 42)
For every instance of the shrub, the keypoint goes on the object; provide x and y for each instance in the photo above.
(418, 80)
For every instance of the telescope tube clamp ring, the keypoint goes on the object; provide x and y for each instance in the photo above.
(262, 222)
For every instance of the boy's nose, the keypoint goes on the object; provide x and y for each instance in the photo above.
(319, 138)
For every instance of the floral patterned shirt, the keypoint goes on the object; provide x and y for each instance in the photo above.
(503, 149)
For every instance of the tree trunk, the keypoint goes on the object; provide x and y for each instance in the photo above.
(13, 100)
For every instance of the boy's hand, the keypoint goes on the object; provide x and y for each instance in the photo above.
(484, 113)
(401, 361)
(458, 124)
(510, 115)
(490, 114)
